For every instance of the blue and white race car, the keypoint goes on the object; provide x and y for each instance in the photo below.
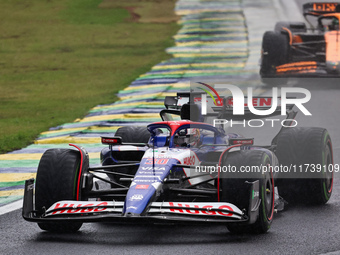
(181, 171)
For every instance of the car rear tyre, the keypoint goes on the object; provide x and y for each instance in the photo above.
(275, 52)
(237, 192)
(309, 151)
(57, 176)
(133, 134)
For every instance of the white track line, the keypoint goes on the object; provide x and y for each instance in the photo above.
(11, 207)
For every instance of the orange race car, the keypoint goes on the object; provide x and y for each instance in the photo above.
(293, 50)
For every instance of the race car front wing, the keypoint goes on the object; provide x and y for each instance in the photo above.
(112, 211)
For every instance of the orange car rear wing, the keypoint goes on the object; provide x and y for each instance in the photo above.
(320, 8)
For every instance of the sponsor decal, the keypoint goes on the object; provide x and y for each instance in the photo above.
(30, 187)
(142, 173)
(189, 160)
(142, 186)
(324, 7)
(78, 208)
(136, 197)
(255, 194)
(207, 211)
(148, 180)
(157, 161)
(150, 168)
(175, 123)
(111, 140)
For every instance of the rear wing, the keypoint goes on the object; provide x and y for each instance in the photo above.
(260, 103)
(320, 8)
(189, 105)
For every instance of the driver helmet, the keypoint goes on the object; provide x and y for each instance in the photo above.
(181, 138)
(187, 138)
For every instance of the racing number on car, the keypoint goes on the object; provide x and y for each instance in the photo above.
(158, 161)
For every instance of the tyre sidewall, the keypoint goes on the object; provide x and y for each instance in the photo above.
(235, 191)
(57, 176)
(301, 147)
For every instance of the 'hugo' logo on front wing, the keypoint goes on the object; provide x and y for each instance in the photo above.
(79, 208)
(206, 212)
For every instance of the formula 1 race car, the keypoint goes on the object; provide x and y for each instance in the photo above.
(293, 50)
(180, 171)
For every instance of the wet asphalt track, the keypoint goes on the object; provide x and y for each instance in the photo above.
(297, 230)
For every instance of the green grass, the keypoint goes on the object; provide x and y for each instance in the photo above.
(86, 12)
(61, 58)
